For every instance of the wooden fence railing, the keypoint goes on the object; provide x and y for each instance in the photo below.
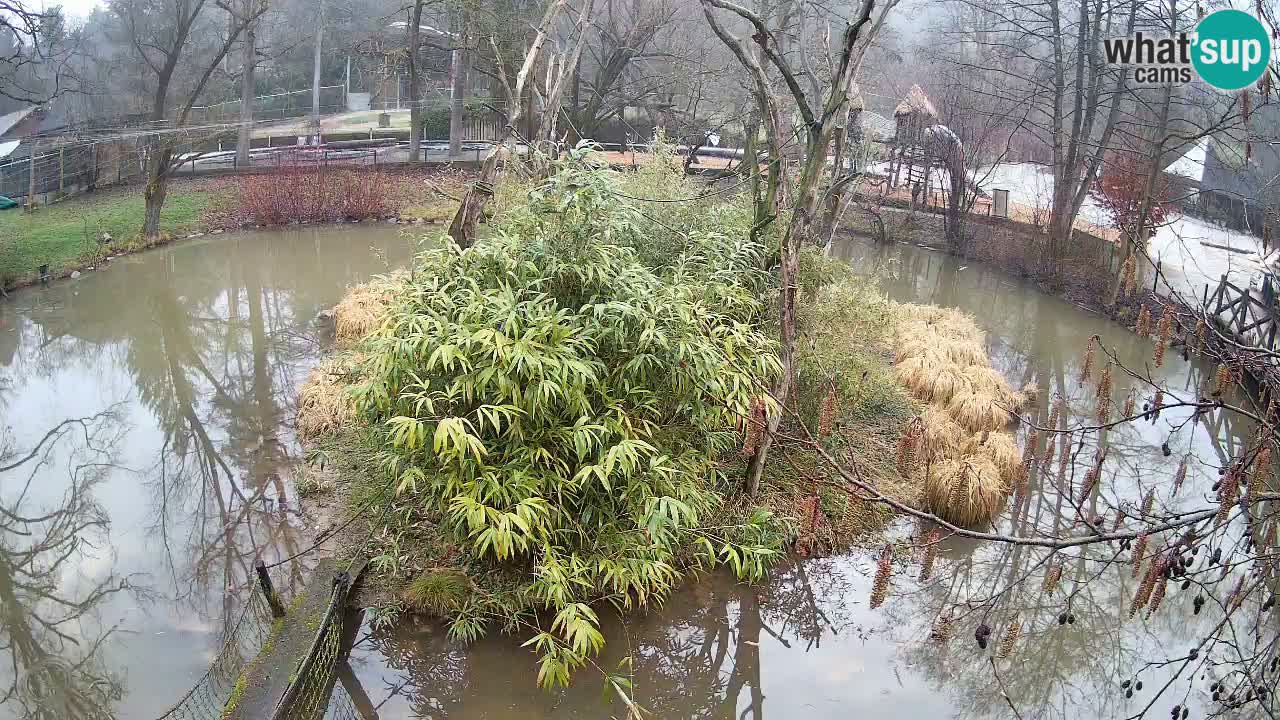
(1249, 315)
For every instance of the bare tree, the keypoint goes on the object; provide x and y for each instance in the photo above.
(180, 47)
(818, 127)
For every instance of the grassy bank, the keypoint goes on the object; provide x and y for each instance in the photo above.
(67, 235)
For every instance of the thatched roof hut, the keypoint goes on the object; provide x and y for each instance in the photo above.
(916, 102)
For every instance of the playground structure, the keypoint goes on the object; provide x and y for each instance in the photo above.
(924, 151)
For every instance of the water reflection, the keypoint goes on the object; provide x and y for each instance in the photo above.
(54, 669)
(804, 644)
(198, 350)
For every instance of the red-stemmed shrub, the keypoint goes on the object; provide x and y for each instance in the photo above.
(1120, 189)
(315, 194)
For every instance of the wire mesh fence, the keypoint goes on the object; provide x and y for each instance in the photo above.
(277, 106)
(315, 676)
(207, 699)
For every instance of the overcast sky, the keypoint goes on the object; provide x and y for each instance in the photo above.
(76, 8)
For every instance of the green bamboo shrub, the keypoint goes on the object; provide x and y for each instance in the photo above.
(567, 409)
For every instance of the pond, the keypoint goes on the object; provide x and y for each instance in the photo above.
(804, 644)
(158, 396)
(146, 439)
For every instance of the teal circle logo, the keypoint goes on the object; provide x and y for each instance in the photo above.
(1232, 49)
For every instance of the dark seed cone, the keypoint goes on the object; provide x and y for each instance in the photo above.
(1163, 334)
(930, 555)
(1052, 577)
(1139, 552)
(884, 570)
(982, 635)
(1180, 476)
(1010, 639)
(1086, 369)
(827, 417)
(1143, 327)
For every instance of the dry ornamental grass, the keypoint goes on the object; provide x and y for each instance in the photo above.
(967, 461)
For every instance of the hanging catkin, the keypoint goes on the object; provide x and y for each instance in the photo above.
(930, 554)
(1143, 327)
(1180, 476)
(884, 569)
(1010, 640)
(1139, 550)
(1228, 491)
(1164, 333)
(1104, 394)
(1086, 368)
(827, 417)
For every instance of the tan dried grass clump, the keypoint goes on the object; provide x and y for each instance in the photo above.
(969, 461)
(968, 492)
(1001, 448)
(978, 412)
(930, 378)
(363, 308)
(324, 404)
(942, 435)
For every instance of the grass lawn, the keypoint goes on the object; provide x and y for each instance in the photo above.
(64, 235)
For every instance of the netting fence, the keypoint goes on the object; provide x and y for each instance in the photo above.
(248, 635)
(73, 168)
(277, 106)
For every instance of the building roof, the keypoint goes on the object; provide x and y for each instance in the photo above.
(8, 121)
(915, 102)
(1190, 164)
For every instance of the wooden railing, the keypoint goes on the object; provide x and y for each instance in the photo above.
(1248, 315)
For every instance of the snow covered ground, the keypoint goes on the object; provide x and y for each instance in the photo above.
(1192, 252)
(1184, 247)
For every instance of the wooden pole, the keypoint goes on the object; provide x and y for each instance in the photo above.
(264, 579)
(31, 176)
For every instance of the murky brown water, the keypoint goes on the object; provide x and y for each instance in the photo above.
(167, 381)
(127, 540)
(805, 644)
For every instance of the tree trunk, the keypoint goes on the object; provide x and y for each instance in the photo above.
(458, 100)
(156, 188)
(249, 64)
(315, 73)
(415, 104)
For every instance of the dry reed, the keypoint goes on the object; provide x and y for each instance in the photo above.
(363, 308)
(968, 492)
(324, 405)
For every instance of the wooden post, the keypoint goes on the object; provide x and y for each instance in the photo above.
(31, 176)
(277, 609)
(62, 169)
